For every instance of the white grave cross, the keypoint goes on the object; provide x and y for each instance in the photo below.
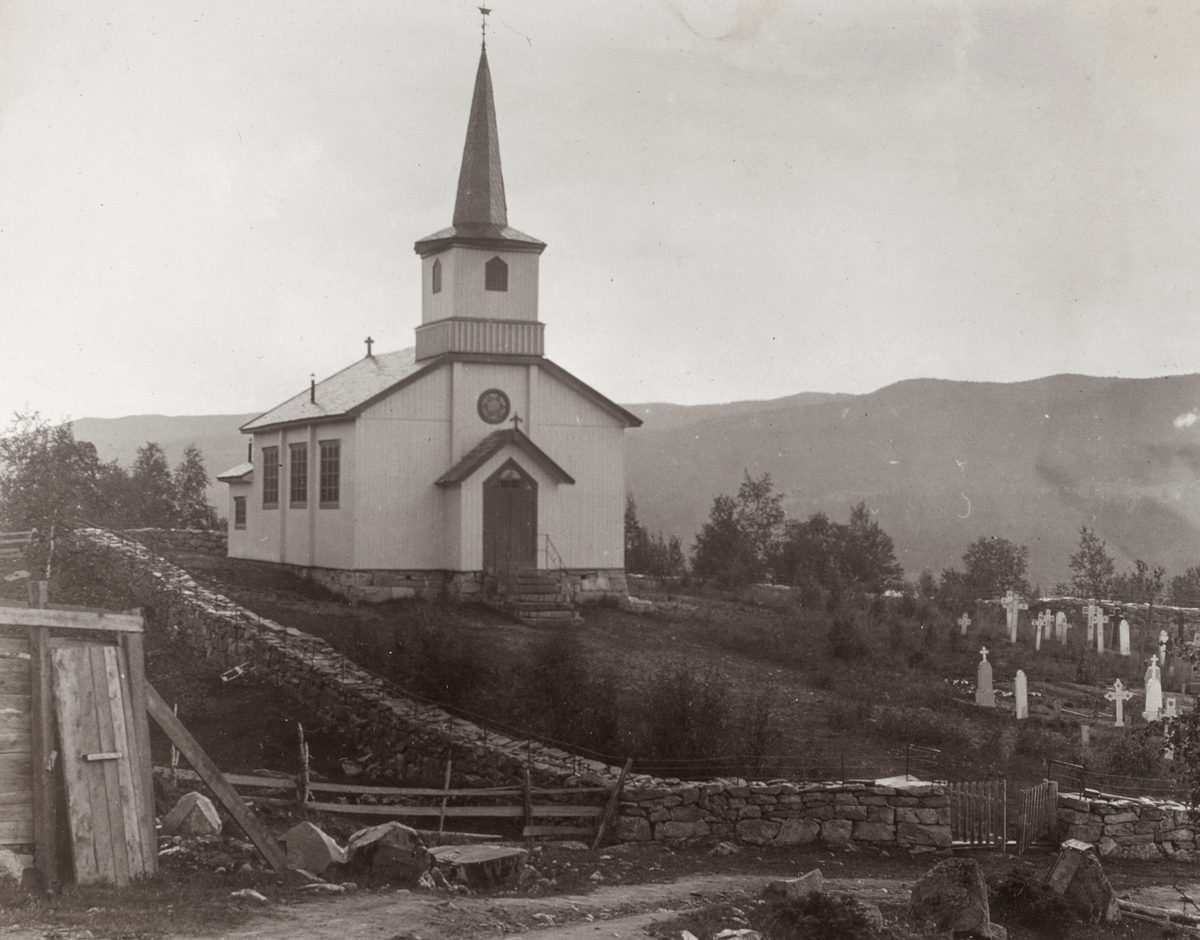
(1012, 605)
(964, 621)
(1101, 619)
(1154, 700)
(1089, 614)
(1060, 627)
(984, 693)
(1118, 694)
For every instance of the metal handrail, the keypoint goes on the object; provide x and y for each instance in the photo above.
(551, 547)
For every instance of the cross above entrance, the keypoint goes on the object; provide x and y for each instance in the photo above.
(370, 342)
(516, 421)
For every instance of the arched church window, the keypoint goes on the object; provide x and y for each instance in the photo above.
(496, 275)
(437, 276)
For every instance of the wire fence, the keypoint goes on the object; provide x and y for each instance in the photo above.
(1076, 778)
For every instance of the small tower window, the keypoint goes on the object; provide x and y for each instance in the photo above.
(496, 275)
(437, 276)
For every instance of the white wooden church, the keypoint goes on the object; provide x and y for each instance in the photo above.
(440, 469)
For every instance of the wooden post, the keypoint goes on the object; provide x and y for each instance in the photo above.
(45, 793)
(612, 804)
(135, 658)
(445, 786)
(214, 779)
(528, 810)
(38, 594)
(303, 793)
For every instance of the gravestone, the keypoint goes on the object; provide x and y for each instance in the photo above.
(985, 695)
(1162, 647)
(1084, 735)
(1170, 706)
(1153, 691)
(1124, 637)
(1021, 695)
(963, 622)
(1037, 634)
(1090, 613)
(1013, 605)
(1101, 620)
(1118, 695)
(1060, 627)
(1048, 626)
(1058, 709)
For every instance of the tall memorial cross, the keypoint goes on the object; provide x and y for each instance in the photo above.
(1060, 627)
(1089, 614)
(1154, 699)
(963, 622)
(1101, 619)
(1012, 605)
(1118, 694)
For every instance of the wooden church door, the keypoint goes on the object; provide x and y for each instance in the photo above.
(510, 518)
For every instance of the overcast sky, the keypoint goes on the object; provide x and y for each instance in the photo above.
(203, 203)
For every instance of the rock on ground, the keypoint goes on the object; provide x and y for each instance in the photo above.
(193, 815)
(953, 894)
(1090, 895)
(308, 847)
(392, 849)
(480, 866)
(796, 888)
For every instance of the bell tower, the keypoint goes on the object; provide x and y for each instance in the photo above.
(479, 278)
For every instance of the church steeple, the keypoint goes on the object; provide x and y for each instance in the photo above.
(480, 199)
(480, 277)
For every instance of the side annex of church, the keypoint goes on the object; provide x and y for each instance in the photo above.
(436, 470)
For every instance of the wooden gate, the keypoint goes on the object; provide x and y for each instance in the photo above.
(106, 796)
(16, 759)
(1037, 813)
(979, 813)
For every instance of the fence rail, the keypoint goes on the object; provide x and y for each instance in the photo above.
(1076, 778)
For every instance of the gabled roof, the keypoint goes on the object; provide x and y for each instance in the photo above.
(345, 394)
(341, 393)
(478, 455)
(239, 474)
(480, 211)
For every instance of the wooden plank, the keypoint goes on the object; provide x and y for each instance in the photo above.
(21, 704)
(528, 806)
(351, 809)
(16, 833)
(14, 677)
(71, 619)
(133, 662)
(43, 781)
(75, 735)
(216, 782)
(565, 832)
(15, 645)
(107, 770)
(442, 815)
(135, 849)
(18, 796)
(17, 742)
(612, 804)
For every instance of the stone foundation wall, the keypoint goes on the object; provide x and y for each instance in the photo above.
(205, 541)
(582, 586)
(1132, 827)
(413, 740)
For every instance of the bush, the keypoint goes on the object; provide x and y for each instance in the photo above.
(564, 696)
(819, 917)
(845, 639)
(923, 726)
(1019, 897)
(1136, 754)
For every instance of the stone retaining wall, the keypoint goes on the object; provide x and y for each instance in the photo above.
(413, 740)
(205, 541)
(1128, 827)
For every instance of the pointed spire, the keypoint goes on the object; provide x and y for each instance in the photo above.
(480, 181)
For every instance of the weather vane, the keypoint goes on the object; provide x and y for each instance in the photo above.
(483, 24)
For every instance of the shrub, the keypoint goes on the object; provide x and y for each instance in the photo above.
(565, 698)
(845, 639)
(819, 917)
(1019, 896)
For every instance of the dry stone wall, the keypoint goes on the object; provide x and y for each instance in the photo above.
(1128, 827)
(413, 740)
(205, 541)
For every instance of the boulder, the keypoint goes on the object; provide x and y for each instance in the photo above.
(308, 847)
(12, 865)
(796, 888)
(193, 815)
(480, 866)
(953, 894)
(392, 849)
(1079, 877)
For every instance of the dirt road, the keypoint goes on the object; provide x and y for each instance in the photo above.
(622, 911)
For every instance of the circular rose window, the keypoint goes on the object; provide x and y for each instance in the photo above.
(493, 406)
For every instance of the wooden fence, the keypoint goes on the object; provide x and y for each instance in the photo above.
(979, 813)
(1037, 813)
(579, 815)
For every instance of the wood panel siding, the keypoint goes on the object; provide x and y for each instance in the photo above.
(463, 293)
(333, 527)
(403, 447)
(260, 539)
